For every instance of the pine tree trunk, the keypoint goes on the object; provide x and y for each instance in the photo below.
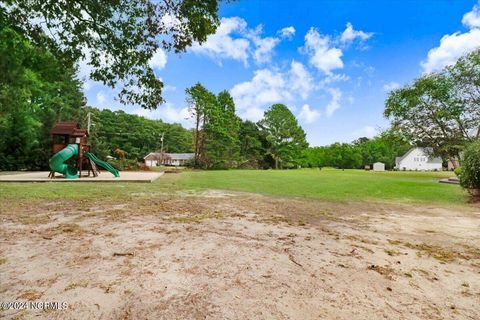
(197, 124)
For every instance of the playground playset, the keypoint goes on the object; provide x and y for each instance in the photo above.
(72, 153)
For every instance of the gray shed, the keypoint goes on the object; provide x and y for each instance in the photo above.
(379, 166)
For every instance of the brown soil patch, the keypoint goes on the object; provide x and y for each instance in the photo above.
(240, 256)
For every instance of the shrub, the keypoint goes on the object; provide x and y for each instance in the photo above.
(470, 172)
(458, 171)
(125, 164)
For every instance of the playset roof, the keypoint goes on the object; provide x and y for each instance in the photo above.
(69, 128)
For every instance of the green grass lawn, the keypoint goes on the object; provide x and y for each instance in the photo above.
(333, 184)
(328, 184)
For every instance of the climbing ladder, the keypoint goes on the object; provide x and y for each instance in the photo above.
(93, 168)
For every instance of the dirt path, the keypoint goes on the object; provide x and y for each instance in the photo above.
(240, 256)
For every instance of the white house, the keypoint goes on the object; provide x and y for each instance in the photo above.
(418, 159)
(379, 166)
(154, 159)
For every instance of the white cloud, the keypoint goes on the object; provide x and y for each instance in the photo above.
(287, 32)
(300, 79)
(334, 77)
(269, 86)
(323, 56)
(266, 87)
(234, 40)
(263, 46)
(167, 112)
(472, 19)
(366, 131)
(391, 86)
(308, 115)
(169, 21)
(370, 131)
(159, 59)
(100, 98)
(350, 34)
(453, 46)
(334, 103)
(223, 45)
(253, 114)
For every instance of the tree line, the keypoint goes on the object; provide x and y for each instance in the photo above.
(358, 154)
(223, 140)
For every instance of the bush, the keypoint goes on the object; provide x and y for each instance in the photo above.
(458, 171)
(470, 172)
(125, 164)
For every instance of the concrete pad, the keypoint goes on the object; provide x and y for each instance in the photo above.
(105, 176)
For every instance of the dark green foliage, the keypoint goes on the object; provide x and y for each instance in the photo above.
(470, 173)
(252, 145)
(440, 110)
(117, 38)
(135, 135)
(383, 148)
(221, 133)
(216, 140)
(363, 151)
(35, 92)
(338, 155)
(285, 138)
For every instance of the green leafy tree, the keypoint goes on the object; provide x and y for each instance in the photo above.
(36, 91)
(199, 101)
(216, 141)
(466, 77)
(440, 110)
(285, 137)
(252, 144)
(117, 38)
(221, 133)
(470, 172)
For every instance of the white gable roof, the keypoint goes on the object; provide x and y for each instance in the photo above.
(419, 159)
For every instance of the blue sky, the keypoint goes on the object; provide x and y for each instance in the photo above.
(331, 62)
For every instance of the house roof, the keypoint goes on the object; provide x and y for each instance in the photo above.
(181, 156)
(399, 159)
(172, 156)
(425, 150)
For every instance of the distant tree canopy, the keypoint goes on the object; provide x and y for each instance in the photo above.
(117, 38)
(134, 135)
(440, 110)
(363, 151)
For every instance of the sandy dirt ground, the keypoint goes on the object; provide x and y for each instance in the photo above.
(216, 255)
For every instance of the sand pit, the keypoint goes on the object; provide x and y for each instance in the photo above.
(240, 257)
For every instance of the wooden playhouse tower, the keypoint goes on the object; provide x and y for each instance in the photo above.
(69, 132)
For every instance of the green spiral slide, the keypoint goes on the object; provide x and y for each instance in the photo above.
(57, 162)
(102, 164)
